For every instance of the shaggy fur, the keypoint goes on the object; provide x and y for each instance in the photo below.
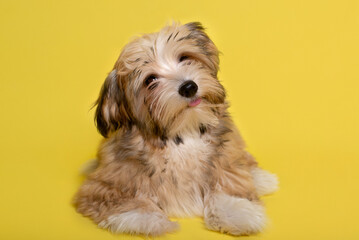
(165, 154)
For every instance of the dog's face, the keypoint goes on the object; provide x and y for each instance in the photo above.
(164, 83)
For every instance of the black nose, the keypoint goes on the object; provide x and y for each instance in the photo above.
(188, 89)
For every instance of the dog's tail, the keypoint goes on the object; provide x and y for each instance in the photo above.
(89, 166)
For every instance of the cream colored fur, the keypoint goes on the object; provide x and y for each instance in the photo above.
(264, 181)
(136, 222)
(236, 216)
(180, 159)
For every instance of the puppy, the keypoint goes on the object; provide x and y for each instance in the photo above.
(170, 147)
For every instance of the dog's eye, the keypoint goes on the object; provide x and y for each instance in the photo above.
(183, 58)
(150, 79)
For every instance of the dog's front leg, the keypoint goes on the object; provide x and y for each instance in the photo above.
(140, 217)
(121, 214)
(232, 206)
(233, 215)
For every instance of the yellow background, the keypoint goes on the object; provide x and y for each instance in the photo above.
(291, 69)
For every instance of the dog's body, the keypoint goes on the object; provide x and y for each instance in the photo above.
(170, 148)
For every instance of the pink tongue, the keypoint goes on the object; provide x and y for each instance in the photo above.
(195, 102)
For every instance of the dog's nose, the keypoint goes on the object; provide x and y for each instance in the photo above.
(188, 89)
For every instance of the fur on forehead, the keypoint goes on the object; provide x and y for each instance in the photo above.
(171, 42)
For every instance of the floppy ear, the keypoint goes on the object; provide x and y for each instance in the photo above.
(112, 110)
(206, 44)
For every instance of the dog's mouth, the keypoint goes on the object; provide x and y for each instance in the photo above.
(195, 102)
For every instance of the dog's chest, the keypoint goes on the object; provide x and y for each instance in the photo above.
(188, 154)
(183, 175)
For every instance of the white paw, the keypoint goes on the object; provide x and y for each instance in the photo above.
(136, 222)
(236, 216)
(264, 182)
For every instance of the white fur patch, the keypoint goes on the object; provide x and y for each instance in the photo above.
(264, 182)
(185, 163)
(236, 216)
(136, 222)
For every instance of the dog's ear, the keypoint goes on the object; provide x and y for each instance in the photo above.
(206, 44)
(112, 110)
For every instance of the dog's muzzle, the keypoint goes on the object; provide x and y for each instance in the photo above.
(188, 89)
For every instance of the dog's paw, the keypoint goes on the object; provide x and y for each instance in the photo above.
(235, 216)
(264, 182)
(136, 222)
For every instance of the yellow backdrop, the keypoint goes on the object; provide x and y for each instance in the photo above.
(291, 69)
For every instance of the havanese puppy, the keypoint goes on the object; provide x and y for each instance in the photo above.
(170, 147)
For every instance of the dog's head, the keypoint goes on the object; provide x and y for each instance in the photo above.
(163, 83)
